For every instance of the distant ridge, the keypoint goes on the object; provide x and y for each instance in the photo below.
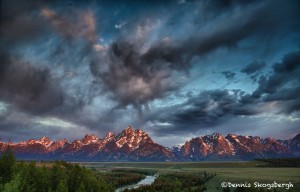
(136, 145)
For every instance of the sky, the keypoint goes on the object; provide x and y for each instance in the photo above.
(177, 69)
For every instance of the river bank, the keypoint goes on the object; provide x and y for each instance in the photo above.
(147, 181)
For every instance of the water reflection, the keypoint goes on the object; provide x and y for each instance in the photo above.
(147, 181)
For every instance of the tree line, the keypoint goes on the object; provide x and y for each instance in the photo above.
(279, 162)
(119, 179)
(59, 176)
(139, 171)
(176, 182)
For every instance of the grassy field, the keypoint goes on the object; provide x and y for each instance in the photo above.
(251, 175)
(171, 165)
(240, 172)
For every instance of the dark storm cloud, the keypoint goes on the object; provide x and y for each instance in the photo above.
(289, 64)
(208, 106)
(215, 107)
(205, 110)
(30, 88)
(256, 20)
(284, 73)
(133, 81)
(291, 106)
(135, 77)
(17, 25)
(75, 24)
(132, 76)
(228, 74)
(23, 83)
(253, 67)
(74, 33)
(146, 60)
(283, 85)
(20, 127)
(13, 132)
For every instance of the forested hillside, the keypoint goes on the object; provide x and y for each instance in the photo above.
(58, 176)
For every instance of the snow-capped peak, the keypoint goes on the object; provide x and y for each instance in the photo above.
(215, 135)
(45, 141)
(128, 130)
(133, 139)
(109, 135)
(90, 139)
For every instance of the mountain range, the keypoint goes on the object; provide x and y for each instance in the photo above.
(136, 145)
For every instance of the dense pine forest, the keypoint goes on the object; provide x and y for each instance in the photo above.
(279, 162)
(58, 176)
(119, 179)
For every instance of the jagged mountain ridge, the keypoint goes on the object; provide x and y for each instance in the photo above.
(136, 145)
(235, 147)
(129, 145)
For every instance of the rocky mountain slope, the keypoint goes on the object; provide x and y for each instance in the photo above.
(136, 145)
(234, 147)
(129, 145)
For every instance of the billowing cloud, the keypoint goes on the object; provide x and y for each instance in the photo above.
(96, 65)
(276, 95)
(132, 80)
(136, 73)
(228, 74)
(30, 88)
(82, 26)
(54, 122)
(283, 84)
(253, 67)
(205, 110)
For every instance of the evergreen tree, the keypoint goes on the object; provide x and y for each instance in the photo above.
(29, 177)
(14, 185)
(81, 188)
(7, 162)
(75, 177)
(57, 175)
(62, 187)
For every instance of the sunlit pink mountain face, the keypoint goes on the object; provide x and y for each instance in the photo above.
(136, 145)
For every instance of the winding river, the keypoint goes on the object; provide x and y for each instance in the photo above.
(147, 181)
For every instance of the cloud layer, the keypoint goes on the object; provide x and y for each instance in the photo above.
(164, 66)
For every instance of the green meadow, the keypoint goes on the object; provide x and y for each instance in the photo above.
(234, 172)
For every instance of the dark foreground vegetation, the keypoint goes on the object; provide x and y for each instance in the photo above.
(123, 177)
(176, 182)
(59, 177)
(139, 171)
(280, 162)
(120, 179)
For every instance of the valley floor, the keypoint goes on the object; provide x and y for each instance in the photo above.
(231, 172)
